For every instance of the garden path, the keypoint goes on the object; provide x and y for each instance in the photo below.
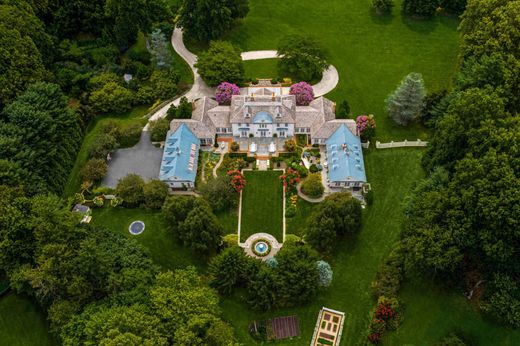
(222, 154)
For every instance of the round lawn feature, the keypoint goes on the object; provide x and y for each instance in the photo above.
(136, 227)
(261, 247)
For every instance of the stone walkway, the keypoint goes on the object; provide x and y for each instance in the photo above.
(222, 154)
(275, 245)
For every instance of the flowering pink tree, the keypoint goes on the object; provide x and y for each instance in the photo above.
(225, 91)
(366, 126)
(303, 92)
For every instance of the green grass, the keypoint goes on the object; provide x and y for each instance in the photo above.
(162, 247)
(392, 174)
(133, 116)
(297, 223)
(229, 221)
(22, 323)
(371, 53)
(262, 204)
(427, 305)
(265, 68)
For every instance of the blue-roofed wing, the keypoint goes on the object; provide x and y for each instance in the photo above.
(345, 156)
(181, 152)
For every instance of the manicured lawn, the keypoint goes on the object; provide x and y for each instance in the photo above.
(371, 53)
(392, 174)
(265, 68)
(297, 223)
(162, 247)
(262, 204)
(22, 323)
(428, 305)
(229, 221)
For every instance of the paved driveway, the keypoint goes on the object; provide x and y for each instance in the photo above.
(144, 159)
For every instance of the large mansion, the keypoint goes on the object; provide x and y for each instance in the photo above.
(264, 117)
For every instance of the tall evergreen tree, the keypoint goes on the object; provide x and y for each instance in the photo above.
(406, 102)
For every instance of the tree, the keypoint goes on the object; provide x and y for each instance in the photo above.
(127, 18)
(155, 193)
(312, 185)
(421, 8)
(114, 325)
(164, 83)
(94, 170)
(366, 127)
(112, 97)
(102, 146)
(454, 6)
(297, 275)
(301, 57)
(383, 6)
(303, 93)
(343, 110)
(184, 110)
(503, 303)
(208, 20)
(325, 273)
(406, 102)
(228, 270)
(338, 215)
(159, 129)
(159, 48)
(33, 137)
(220, 193)
(192, 221)
(131, 190)
(201, 230)
(21, 64)
(220, 63)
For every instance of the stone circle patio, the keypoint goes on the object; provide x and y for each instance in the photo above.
(275, 245)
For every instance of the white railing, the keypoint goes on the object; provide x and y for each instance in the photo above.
(365, 145)
(405, 143)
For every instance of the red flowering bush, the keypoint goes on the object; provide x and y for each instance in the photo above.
(303, 92)
(289, 180)
(238, 182)
(386, 317)
(225, 91)
(366, 126)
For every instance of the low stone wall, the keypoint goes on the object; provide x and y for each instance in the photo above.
(405, 143)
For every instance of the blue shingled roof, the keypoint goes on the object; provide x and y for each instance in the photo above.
(181, 152)
(345, 156)
(263, 117)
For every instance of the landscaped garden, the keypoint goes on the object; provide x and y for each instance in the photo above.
(262, 205)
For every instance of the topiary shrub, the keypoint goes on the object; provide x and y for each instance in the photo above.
(303, 93)
(312, 186)
(325, 273)
(225, 92)
(235, 146)
(313, 168)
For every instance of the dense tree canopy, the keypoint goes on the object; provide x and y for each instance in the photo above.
(209, 19)
(301, 57)
(220, 63)
(43, 136)
(466, 214)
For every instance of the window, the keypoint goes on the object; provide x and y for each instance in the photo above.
(286, 125)
(281, 133)
(203, 141)
(243, 133)
(263, 126)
